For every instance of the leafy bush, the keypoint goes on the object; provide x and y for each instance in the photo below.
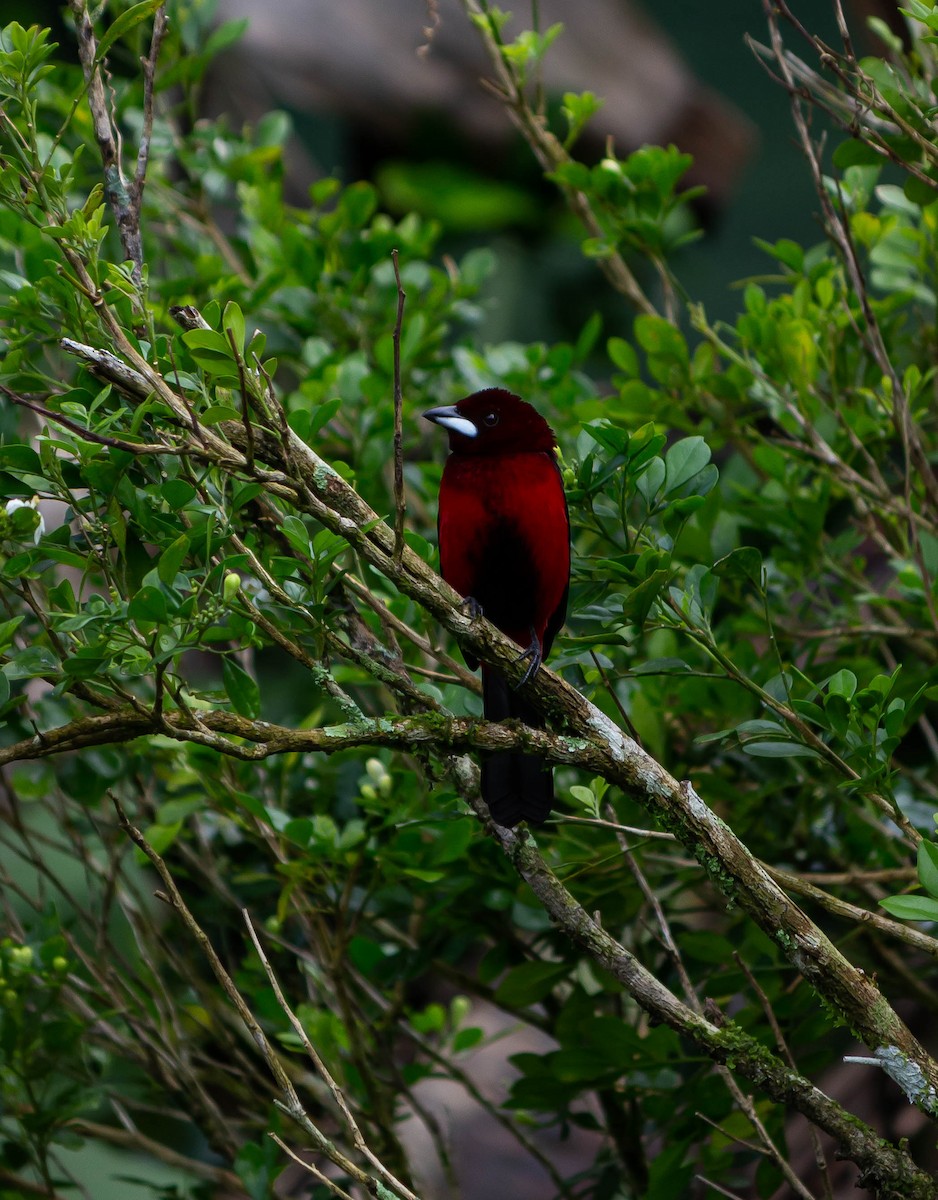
(223, 676)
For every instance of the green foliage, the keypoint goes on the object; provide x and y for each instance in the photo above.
(755, 522)
(45, 1074)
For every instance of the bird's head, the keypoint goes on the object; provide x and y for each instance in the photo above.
(493, 421)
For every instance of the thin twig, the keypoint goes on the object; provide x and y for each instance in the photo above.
(313, 1170)
(350, 1123)
(149, 71)
(399, 498)
(291, 1104)
(786, 1053)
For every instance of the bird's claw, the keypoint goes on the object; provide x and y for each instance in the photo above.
(533, 653)
(472, 607)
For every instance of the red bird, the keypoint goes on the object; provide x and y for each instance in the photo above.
(505, 545)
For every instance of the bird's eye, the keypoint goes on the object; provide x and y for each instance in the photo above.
(490, 419)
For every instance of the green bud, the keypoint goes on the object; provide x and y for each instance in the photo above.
(375, 769)
(21, 957)
(231, 586)
(459, 1009)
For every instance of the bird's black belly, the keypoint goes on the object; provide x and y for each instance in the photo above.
(508, 586)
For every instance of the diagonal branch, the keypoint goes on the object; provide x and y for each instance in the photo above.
(592, 740)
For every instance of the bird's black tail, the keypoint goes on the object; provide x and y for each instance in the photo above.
(516, 786)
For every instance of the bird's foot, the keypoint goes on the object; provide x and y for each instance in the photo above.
(533, 658)
(472, 607)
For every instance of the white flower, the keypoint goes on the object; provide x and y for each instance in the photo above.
(13, 505)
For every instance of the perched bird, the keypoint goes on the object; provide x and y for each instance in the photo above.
(505, 546)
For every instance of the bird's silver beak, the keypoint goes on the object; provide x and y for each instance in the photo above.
(452, 420)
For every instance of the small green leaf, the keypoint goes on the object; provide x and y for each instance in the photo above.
(217, 413)
(638, 602)
(911, 908)
(684, 460)
(649, 482)
(172, 559)
(779, 750)
(161, 837)
(233, 322)
(423, 875)
(8, 628)
(586, 798)
(322, 416)
(659, 337)
(149, 604)
(212, 351)
(623, 356)
(530, 982)
(856, 153)
(242, 690)
(928, 867)
(842, 683)
(31, 663)
(745, 562)
(125, 22)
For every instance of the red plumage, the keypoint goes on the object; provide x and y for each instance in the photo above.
(505, 543)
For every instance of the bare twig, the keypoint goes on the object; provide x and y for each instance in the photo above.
(130, 1139)
(782, 1046)
(123, 195)
(399, 498)
(149, 71)
(311, 1168)
(351, 1124)
(291, 1104)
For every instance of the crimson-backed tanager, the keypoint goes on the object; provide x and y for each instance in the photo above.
(505, 546)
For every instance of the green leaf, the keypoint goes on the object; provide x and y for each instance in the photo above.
(8, 628)
(161, 837)
(31, 663)
(623, 356)
(149, 604)
(242, 689)
(779, 750)
(216, 413)
(530, 982)
(466, 1038)
(856, 153)
(842, 683)
(684, 460)
(172, 559)
(745, 562)
(212, 351)
(928, 867)
(649, 482)
(586, 798)
(322, 416)
(911, 908)
(233, 322)
(659, 337)
(177, 492)
(125, 22)
(638, 602)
